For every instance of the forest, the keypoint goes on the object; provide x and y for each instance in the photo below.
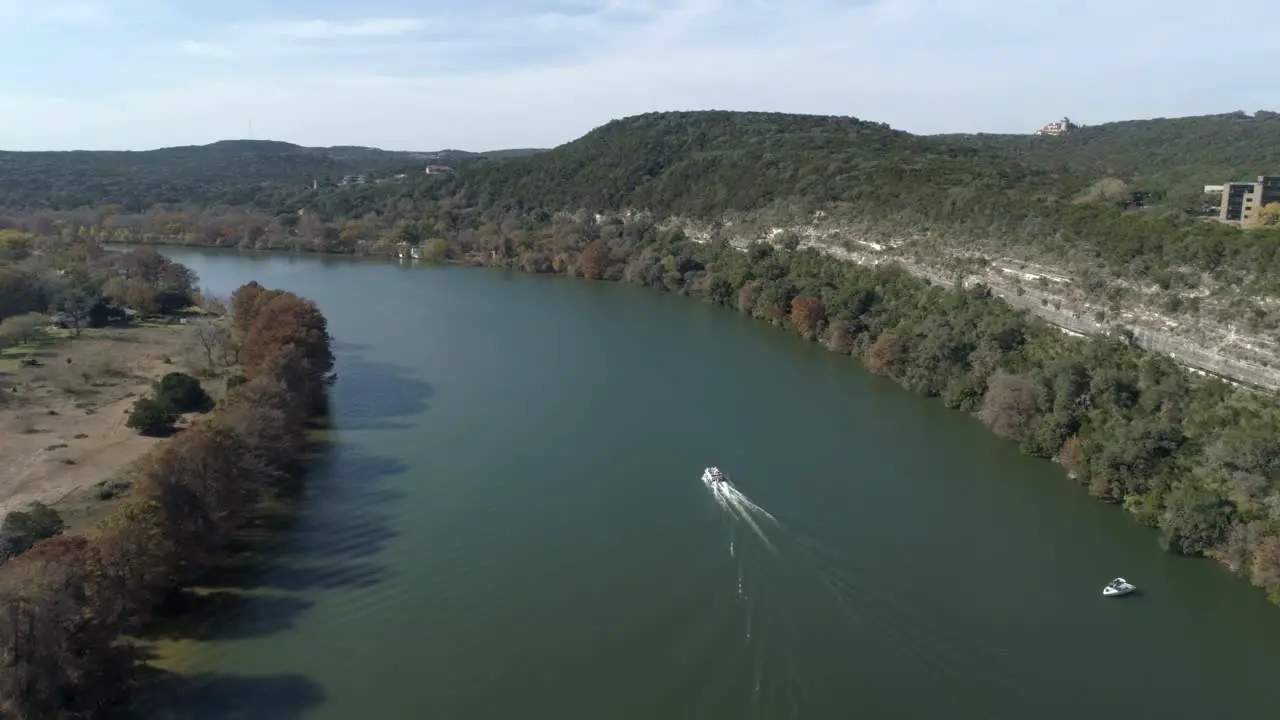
(71, 601)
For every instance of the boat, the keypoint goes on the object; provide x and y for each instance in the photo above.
(1118, 587)
(712, 476)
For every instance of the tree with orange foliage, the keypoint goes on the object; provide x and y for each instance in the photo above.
(246, 301)
(882, 355)
(594, 260)
(808, 314)
(200, 480)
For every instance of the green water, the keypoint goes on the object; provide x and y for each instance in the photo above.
(510, 524)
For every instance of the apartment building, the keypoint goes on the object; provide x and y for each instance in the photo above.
(1241, 201)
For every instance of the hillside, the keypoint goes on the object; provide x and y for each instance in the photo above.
(259, 173)
(1169, 156)
(1002, 211)
(975, 196)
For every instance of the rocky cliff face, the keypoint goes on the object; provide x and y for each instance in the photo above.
(1206, 336)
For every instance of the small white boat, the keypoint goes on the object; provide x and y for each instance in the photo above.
(1118, 587)
(712, 476)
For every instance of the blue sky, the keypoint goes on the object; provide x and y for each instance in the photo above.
(486, 74)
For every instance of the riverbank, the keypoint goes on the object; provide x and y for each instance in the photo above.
(74, 596)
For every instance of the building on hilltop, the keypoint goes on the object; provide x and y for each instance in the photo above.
(1241, 201)
(1062, 127)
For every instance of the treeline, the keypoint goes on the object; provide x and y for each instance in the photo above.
(1196, 459)
(82, 285)
(66, 601)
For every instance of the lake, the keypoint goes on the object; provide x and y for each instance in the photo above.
(510, 523)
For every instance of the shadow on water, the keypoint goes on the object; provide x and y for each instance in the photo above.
(216, 696)
(379, 396)
(219, 614)
(307, 545)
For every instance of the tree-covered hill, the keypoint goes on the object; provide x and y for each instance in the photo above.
(230, 172)
(1174, 156)
(707, 163)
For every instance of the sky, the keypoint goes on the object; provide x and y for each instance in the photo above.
(489, 74)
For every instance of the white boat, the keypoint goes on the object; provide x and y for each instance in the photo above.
(1118, 587)
(713, 476)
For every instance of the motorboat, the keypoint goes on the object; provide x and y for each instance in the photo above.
(712, 476)
(1118, 587)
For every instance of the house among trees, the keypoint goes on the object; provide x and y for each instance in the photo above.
(1062, 127)
(437, 169)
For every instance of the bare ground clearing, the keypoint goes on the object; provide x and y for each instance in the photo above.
(62, 423)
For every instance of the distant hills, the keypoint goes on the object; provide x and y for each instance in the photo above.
(694, 163)
(233, 172)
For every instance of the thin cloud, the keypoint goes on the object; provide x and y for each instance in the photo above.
(481, 74)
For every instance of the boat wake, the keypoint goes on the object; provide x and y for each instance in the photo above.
(776, 566)
(738, 505)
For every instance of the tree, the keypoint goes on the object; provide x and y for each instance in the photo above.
(22, 328)
(808, 314)
(883, 355)
(215, 338)
(434, 249)
(594, 259)
(76, 307)
(150, 418)
(180, 393)
(1009, 407)
(1194, 520)
(27, 527)
(60, 655)
(1269, 215)
(16, 293)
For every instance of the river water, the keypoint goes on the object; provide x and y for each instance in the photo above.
(510, 524)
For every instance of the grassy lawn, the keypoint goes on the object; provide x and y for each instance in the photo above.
(36, 347)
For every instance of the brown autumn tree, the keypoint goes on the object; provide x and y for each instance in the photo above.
(882, 355)
(594, 260)
(808, 314)
(267, 430)
(1265, 569)
(139, 562)
(201, 480)
(840, 338)
(1072, 457)
(287, 320)
(246, 301)
(59, 655)
(1009, 407)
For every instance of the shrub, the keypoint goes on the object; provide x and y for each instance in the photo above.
(24, 528)
(180, 392)
(150, 417)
